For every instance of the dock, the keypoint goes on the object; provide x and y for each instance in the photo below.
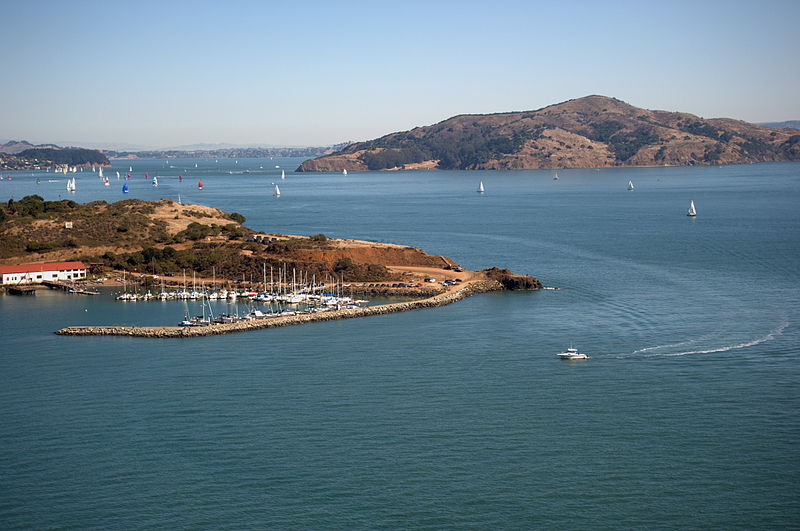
(72, 288)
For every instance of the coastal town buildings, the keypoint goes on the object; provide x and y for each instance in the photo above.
(34, 273)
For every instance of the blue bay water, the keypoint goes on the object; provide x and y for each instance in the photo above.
(458, 417)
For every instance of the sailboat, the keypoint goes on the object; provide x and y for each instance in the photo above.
(118, 176)
(130, 168)
(692, 212)
(277, 191)
(71, 185)
(155, 180)
(100, 175)
(179, 199)
(105, 182)
(555, 177)
(630, 186)
(199, 185)
(125, 188)
(283, 174)
(344, 172)
(480, 188)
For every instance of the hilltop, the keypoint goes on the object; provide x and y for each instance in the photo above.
(168, 238)
(594, 131)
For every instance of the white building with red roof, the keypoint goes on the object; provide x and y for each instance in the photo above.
(32, 273)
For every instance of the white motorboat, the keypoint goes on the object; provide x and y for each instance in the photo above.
(572, 354)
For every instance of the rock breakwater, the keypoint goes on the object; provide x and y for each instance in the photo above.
(442, 299)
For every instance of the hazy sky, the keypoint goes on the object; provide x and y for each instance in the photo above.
(173, 73)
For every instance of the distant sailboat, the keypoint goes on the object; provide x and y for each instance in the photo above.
(630, 186)
(180, 178)
(100, 175)
(130, 168)
(344, 172)
(71, 185)
(195, 164)
(106, 182)
(283, 174)
(125, 188)
(692, 212)
(277, 191)
(179, 199)
(555, 177)
(155, 180)
(480, 188)
(199, 185)
(118, 176)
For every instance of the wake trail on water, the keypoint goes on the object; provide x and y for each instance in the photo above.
(763, 339)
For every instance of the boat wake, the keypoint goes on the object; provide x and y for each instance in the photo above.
(763, 339)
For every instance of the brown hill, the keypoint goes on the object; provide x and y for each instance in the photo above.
(594, 131)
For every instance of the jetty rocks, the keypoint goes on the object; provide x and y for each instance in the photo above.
(502, 281)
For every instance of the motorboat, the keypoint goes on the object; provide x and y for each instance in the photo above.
(572, 354)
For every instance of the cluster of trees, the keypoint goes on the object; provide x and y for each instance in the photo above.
(35, 206)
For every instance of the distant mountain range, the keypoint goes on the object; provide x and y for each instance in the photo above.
(594, 131)
(788, 124)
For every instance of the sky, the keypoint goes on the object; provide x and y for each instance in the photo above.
(310, 73)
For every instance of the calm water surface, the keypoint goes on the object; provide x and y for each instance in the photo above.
(686, 416)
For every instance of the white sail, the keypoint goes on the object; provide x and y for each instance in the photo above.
(101, 173)
(480, 188)
(344, 172)
(155, 180)
(130, 168)
(118, 176)
(555, 177)
(277, 191)
(630, 185)
(283, 174)
(105, 182)
(692, 211)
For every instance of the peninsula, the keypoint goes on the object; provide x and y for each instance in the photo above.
(160, 241)
(589, 132)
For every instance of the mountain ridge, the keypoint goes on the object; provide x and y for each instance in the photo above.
(593, 131)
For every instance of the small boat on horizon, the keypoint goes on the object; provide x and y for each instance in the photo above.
(692, 211)
(344, 172)
(480, 188)
(555, 177)
(125, 188)
(630, 186)
(277, 192)
(283, 174)
(199, 185)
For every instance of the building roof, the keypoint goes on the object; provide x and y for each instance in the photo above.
(35, 268)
